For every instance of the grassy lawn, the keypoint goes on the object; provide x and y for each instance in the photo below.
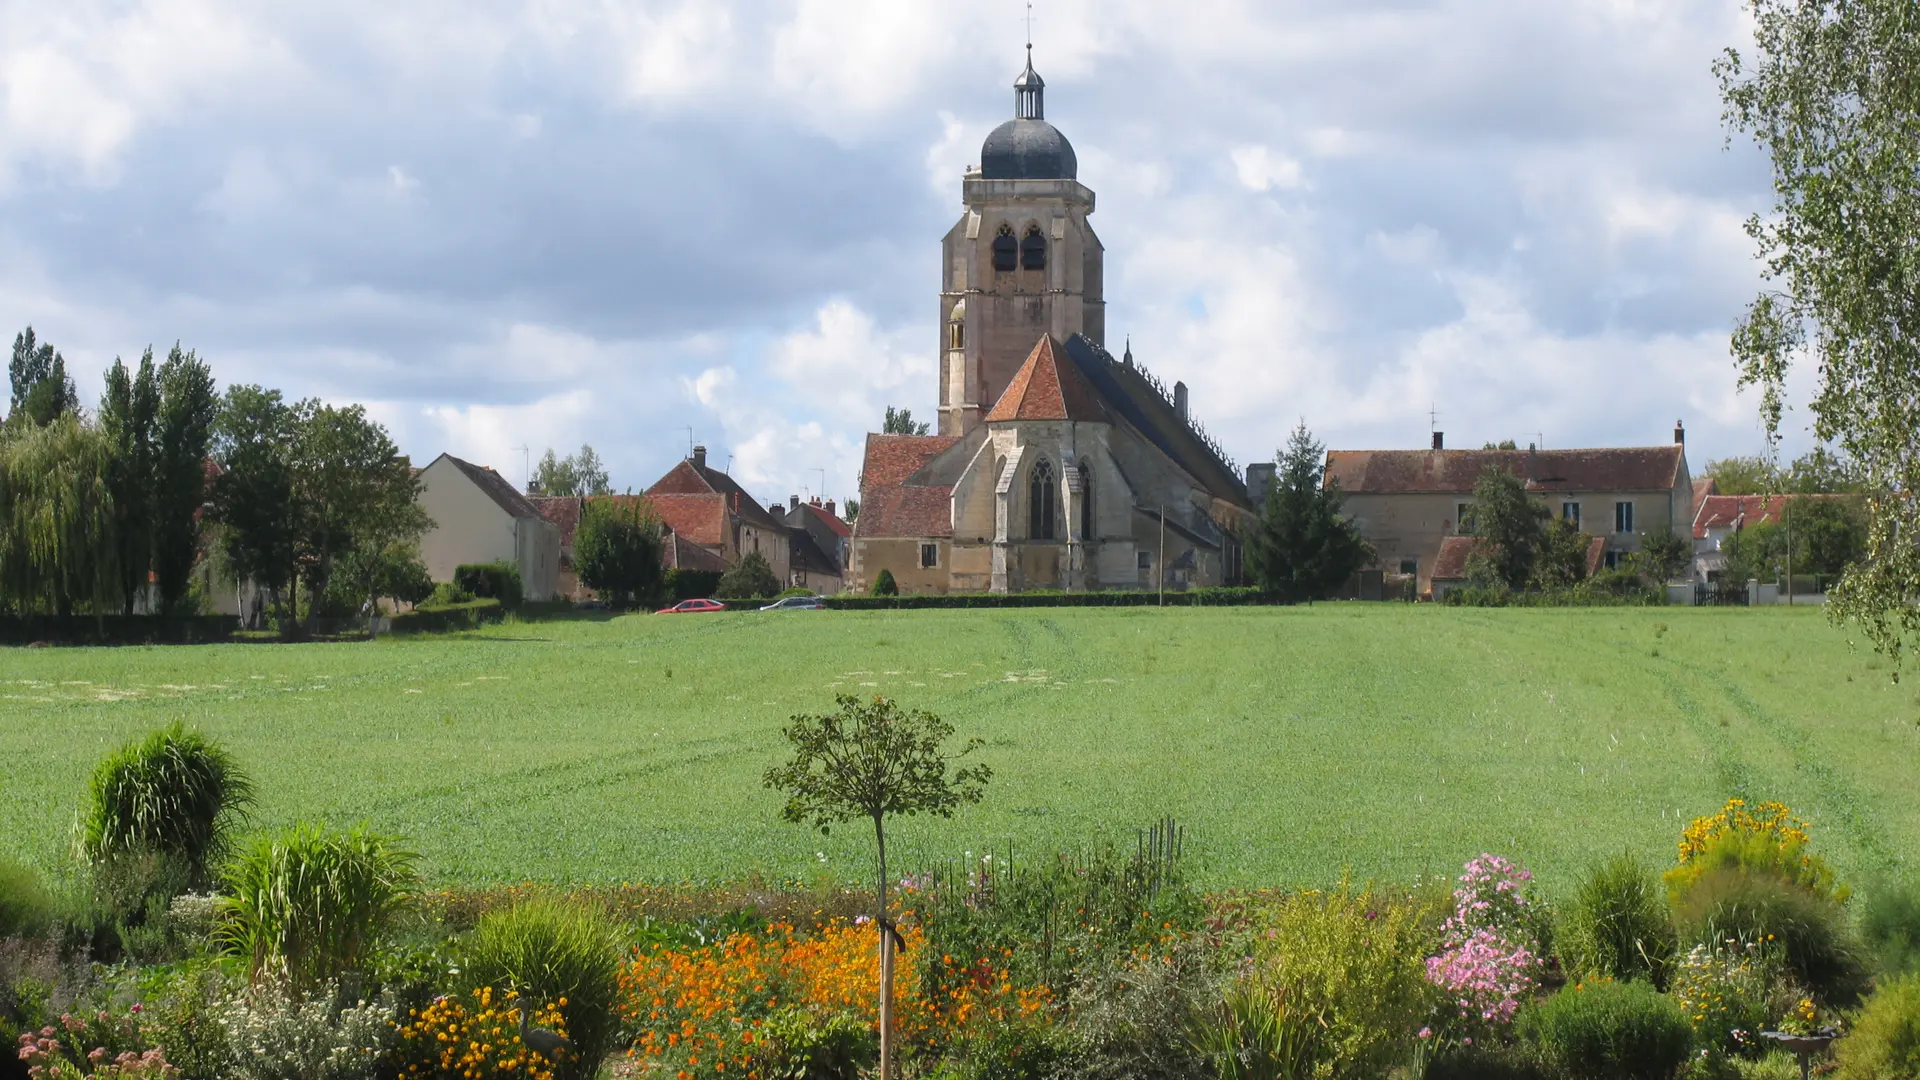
(1295, 743)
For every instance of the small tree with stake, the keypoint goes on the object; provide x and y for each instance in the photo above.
(871, 761)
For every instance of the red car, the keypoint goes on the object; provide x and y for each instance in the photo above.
(692, 607)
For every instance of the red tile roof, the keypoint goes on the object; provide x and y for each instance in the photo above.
(1736, 512)
(890, 504)
(1383, 472)
(1451, 563)
(564, 511)
(701, 519)
(1046, 389)
(1596, 554)
(692, 478)
(832, 522)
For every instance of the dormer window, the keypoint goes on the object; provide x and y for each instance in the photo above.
(1033, 250)
(1006, 250)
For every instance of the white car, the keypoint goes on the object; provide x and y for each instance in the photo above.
(797, 603)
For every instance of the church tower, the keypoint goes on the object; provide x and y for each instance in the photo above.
(1021, 262)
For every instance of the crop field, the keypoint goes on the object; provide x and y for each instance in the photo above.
(1296, 744)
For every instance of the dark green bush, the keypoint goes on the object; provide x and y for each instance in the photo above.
(799, 1046)
(490, 581)
(1883, 1042)
(547, 949)
(1610, 1031)
(1618, 926)
(691, 584)
(1890, 926)
(750, 577)
(884, 585)
(1107, 598)
(467, 616)
(1488, 1063)
(446, 594)
(26, 908)
(1808, 933)
(174, 794)
(1130, 1017)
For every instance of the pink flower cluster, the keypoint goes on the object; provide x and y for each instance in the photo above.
(48, 1059)
(1491, 960)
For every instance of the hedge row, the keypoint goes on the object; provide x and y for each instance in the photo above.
(467, 616)
(116, 629)
(1216, 597)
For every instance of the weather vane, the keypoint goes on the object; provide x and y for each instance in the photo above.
(1029, 25)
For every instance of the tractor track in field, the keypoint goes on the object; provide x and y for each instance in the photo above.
(585, 773)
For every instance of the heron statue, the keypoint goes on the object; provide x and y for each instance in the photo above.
(540, 1040)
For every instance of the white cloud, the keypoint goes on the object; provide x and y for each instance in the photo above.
(1261, 169)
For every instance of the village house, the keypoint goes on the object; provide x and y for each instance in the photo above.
(705, 508)
(478, 517)
(1721, 516)
(821, 543)
(1408, 503)
(1056, 466)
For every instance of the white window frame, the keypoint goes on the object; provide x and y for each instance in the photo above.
(1570, 510)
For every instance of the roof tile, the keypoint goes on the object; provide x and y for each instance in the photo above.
(1046, 389)
(1395, 472)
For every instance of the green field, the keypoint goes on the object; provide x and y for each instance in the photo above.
(1294, 742)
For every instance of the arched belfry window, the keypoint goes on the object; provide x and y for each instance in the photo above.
(1033, 250)
(957, 325)
(1040, 501)
(1086, 502)
(1006, 250)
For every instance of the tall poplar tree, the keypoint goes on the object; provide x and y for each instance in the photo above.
(1832, 94)
(188, 409)
(37, 374)
(129, 417)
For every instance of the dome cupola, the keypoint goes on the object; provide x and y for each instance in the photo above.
(1027, 147)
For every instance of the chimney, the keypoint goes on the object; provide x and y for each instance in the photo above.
(830, 512)
(1439, 440)
(1532, 453)
(1180, 399)
(700, 456)
(793, 502)
(776, 509)
(1679, 433)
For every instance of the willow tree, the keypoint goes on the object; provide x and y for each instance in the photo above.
(58, 545)
(1832, 94)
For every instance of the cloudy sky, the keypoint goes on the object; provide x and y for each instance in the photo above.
(533, 224)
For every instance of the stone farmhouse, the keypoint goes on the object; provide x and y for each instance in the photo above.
(1409, 503)
(1056, 466)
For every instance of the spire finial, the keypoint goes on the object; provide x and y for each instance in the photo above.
(1029, 31)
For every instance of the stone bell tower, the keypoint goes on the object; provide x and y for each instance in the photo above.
(1021, 262)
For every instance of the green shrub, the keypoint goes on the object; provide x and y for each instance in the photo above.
(306, 905)
(799, 1046)
(750, 577)
(884, 585)
(1883, 1042)
(1808, 933)
(447, 594)
(1726, 993)
(1617, 926)
(498, 580)
(1757, 853)
(548, 949)
(1890, 926)
(1483, 1062)
(26, 908)
(174, 793)
(1337, 987)
(691, 584)
(797, 590)
(468, 616)
(1610, 1031)
(1129, 1018)
(183, 1009)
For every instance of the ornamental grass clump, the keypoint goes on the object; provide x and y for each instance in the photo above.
(1334, 988)
(1491, 948)
(1618, 926)
(306, 904)
(174, 794)
(549, 951)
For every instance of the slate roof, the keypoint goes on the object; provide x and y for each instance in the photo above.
(496, 487)
(807, 555)
(679, 553)
(894, 504)
(1399, 472)
(1129, 396)
(692, 478)
(1045, 388)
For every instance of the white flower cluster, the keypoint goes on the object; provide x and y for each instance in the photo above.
(279, 1036)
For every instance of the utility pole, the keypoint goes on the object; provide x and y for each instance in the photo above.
(1163, 555)
(1786, 515)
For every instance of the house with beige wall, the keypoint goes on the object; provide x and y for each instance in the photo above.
(478, 517)
(706, 507)
(1407, 503)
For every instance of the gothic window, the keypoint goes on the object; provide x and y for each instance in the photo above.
(1006, 250)
(1086, 503)
(956, 335)
(1040, 497)
(1033, 250)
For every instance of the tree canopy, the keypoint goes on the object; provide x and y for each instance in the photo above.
(41, 389)
(1831, 94)
(580, 473)
(616, 550)
(901, 422)
(1513, 523)
(750, 577)
(1304, 546)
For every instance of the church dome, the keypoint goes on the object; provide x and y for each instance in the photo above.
(1027, 150)
(1027, 147)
